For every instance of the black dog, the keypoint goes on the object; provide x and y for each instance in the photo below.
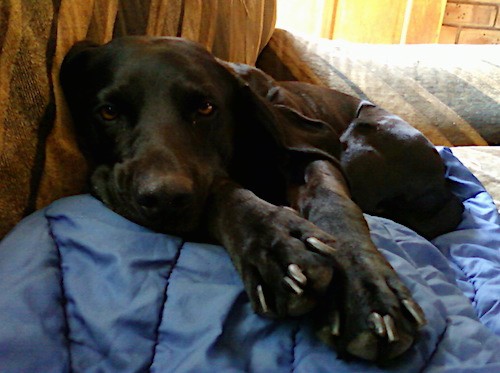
(184, 143)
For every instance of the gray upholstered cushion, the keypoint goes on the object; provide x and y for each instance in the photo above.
(449, 92)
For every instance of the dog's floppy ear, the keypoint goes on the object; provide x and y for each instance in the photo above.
(73, 76)
(264, 112)
(269, 137)
(255, 116)
(305, 135)
(74, 64)
(78, 85)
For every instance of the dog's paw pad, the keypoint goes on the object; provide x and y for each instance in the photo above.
(370, 315)
(364, 346)
(380, 340)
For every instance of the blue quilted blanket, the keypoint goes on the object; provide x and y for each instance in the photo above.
(82, 289)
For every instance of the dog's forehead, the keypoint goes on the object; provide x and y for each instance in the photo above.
(165, 51)
(163, 58)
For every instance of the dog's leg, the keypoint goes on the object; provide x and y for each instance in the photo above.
(370, 313)
(275, 250)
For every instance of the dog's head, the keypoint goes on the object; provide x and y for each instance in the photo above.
(155, 118)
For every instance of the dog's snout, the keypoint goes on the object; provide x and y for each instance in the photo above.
(156, 194)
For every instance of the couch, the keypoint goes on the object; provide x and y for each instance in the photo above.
(83, 289)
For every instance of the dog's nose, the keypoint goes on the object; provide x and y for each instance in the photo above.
(156, 194)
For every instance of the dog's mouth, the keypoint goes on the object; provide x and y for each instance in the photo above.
(178, 215)
(179, 223)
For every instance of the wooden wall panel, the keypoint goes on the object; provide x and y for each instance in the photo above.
(363, 21)
(425, 21)
(394, 21)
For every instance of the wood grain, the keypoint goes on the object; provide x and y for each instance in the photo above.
(425, 21)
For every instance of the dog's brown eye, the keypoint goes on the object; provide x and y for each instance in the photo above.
(206, 108)
(108, 112)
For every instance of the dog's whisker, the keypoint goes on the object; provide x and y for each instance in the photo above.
(297, 274)
(390, 327)
(262, 299)
(320, 247)
(377, 323)
(335, 330)
(412, 308)
(293, 285)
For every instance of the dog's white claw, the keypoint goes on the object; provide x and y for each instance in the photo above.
(291, 209)
(412, 308)
(262, 299)
(390, 327)
(296, 273)
(377, 323)
(335, 331)
(320, 247)
(293, 285)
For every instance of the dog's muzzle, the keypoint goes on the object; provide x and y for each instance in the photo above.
(158, 194)
(162, 201)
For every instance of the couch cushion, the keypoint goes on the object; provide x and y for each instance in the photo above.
(449, 92)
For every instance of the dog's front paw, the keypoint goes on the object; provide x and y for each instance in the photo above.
(369, 313)
(284, 269)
